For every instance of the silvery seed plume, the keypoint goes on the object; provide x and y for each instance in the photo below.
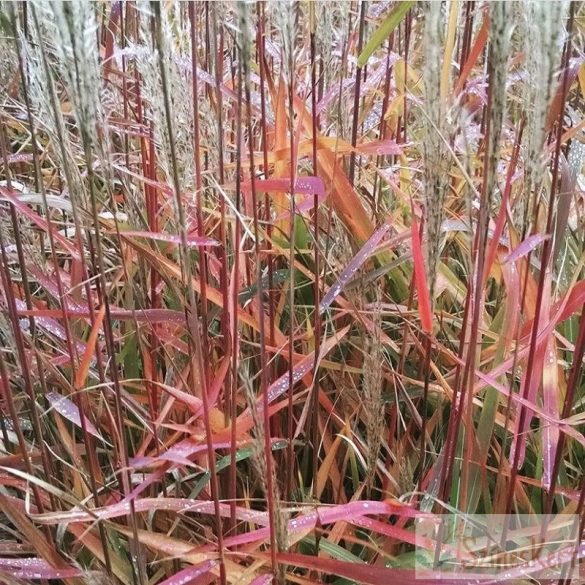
(282, 13)
(499, 37)
(8, 60)
(436, 167)
(180, 90)
(42, 86)
(243, 36)
(76, 33)
(259, 460)
(332, 22)
(543, 26)
(373, 403)
(75, 43)
(324, 29)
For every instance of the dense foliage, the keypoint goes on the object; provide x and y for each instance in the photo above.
(207, 379)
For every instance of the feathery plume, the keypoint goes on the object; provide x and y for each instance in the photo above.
(436, 167)
(543, 25)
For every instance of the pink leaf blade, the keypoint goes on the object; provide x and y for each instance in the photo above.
(192, 241)
(36, 568)
(354, 265)
(380, 147)
(550, 399)
(265, 579)
(525, 247)
(188, 575)
(69, 410)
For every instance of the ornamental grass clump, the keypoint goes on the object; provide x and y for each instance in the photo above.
(285, 285)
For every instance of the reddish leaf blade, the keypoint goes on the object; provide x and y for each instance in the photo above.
(192, 241)
(217, 384)
(420, 278)
(363, 573)
(82, 372)
(351, 512)
(532, 378)
(189, 574)
(477, 49)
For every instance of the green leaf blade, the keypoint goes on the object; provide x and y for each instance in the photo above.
(390, 23)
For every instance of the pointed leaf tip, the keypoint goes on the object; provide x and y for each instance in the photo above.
(390, 23)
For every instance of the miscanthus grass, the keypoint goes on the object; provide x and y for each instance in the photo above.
(282, 280)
